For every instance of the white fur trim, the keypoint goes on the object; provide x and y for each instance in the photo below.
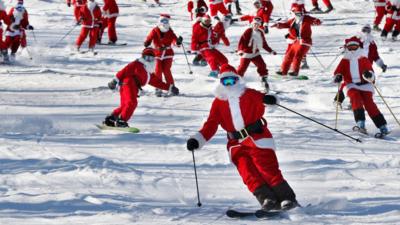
(256, 40)
(354, 70)
(250, 55)
(149, 67)
(236, 113)
(265, 143)
(199, 137)
(365, 87)
(227, 74)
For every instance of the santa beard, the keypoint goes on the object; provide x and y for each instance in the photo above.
(235, 91)
(163, 27)
(148, 66)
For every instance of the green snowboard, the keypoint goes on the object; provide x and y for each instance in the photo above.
(125, 129)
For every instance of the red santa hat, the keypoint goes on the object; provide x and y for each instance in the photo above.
(148, 51)
(297, 9)
(205, 17)
(21, 2)
(227, 70)
(164, 16)
(257, 20)
(353, 41)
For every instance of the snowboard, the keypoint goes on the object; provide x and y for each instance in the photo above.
(124, 129)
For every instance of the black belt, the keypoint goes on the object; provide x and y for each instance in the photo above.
(361, 83)
(256, 127)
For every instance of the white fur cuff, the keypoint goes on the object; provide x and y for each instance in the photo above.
(199, 137)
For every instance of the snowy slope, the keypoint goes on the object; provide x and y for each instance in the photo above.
(56, 167)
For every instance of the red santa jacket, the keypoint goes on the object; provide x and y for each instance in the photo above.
(110, 9)
(304, 33)
(393, 9)
(91, 15)
(197, 4)
(17, 18)
(234, 114)
(250, 43)
(162, 42)
(202, 37)
(136, 74)
(219, 34)
(268, 7)
(352, 66)
(3, 17)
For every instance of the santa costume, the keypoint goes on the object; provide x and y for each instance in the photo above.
(78, 4)
(380, 12)
(260, 11)
(370, 47)
(250, 43)
(217, 6)
(110, 14)
(15, 34)
(299, 38)
(130, 80)
(357, 74)
(163, 37)
(6, 20)
(392, 19)
(197, 9)
(317, 9)
(91, 22)
(203, 39)
(239, 110)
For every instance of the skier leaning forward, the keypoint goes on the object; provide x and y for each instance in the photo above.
(239, 110)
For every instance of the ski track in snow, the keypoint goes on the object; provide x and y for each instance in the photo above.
(56, 167)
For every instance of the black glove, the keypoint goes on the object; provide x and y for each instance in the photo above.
(112, 84)
(339, 97)
(384, 68)
(179, 40)
(266, 30)
(192, 144)
(270, 100)
(29, 27)
(338, 78)
(367, 74)
(174, 90)
(146, 44)
(69, 4)
(16, 27)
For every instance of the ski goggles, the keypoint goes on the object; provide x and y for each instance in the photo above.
(149, 58)
(164, 21)
(229, 81)
(352, 47)
(366, 30)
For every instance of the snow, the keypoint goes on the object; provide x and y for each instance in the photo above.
(56, 167)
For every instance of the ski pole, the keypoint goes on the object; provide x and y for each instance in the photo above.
(337, 106)
(65, 35)
(34, 36)
(187, 61)
(315, 56)
(377, 90)
(197, 183)
(29, 54)
(355, 139)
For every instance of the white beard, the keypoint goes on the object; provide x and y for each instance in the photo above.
(354, 54)
(298, 19)
(91, 5)
(163, 27)
(225, 92)
(148, 66)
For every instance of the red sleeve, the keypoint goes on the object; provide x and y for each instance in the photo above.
(244, 40)
(174, 37)
(121, 75)
(373, 52)
(268, 10)
(149, 38)
(25, 21)
(315, 21)
(210, 127)
(246, 18)
(157, 83)
(284, 24)
(5, 17)
(194, 46)
(265, 44)
(339, 68)
(190, 6)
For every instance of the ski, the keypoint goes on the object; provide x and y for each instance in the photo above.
(125, 129)
(231, 213)
(115, 44)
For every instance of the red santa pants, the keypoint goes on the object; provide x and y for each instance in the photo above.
(214, 58)
(256, 166)
(363, 99)
(294, 54)
(13, 42)
(77, 13)
(164, 67)
(257, 61)
(326, 2)
(390, 23)
(110, 23)
(128, 97)
(215, 8)
(3, 44)
(380, 13)
(93, 34)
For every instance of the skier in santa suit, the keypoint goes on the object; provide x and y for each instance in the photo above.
(357, 74)
(250, 43)
(220, 28)
(392, 19)
(130, 80)
(268, 7)
(203, 37)
(162, 37)
(197, 9)
(298, 4)
(91, 22)
(316, 8)
(300, 33)
(6, 20)
(260, 12)
(15, 34)
(239, 110)
(217, 6)
(229, 3)
(380, 13)
(77, 8)
(110, 14)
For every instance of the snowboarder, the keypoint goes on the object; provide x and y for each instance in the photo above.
(317, 9)
(392, 19)
(3, 17)
(355, 70)
(203, 38)
(239, 110)
(110, 14)
(162, 37)
(91, 23)
(77, 8)
(299, 38)
(380, 13)
(250, 43)
(131, 79)
(217, 6)
(15, 34)
(197, 9)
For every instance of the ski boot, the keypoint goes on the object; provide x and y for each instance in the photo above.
(213, 74)
(304, 65)
(264, 81)
(376, 28)
(279, 72)
(266, 197)
(316, 9)
(330, 8)
(4, 53)
(395, 33)
(288, 204)
(293, 74)
(360, 127)
(383, 131)
(111, 42)
(110, 120)
(158, 92)
(384, 35)
(121, 123)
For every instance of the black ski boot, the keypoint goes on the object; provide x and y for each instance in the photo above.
(330, 8)
(121, 123)
(266, 198)
(316, 9)
(286, 196)
(110, 120)
(264, 81)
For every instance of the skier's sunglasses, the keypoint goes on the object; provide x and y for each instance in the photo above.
(148, 58)
(352, 47)
(164, 21)
(229, 81)
(366, 30)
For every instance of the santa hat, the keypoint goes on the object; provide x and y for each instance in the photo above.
(297, 9)
(353, 41)
(257, 20)
(227, 70)
(164, 17)
(205, 17)
(148, 51)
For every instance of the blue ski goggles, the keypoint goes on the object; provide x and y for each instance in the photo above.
(164, 21)
(149, 58)
(229, 81)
